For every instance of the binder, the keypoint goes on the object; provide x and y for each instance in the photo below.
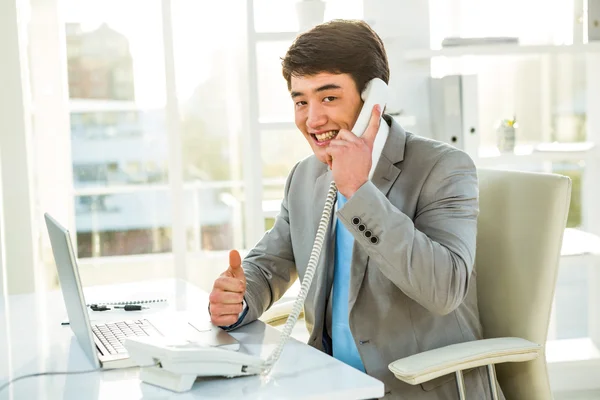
(455, 113)
(593, 20)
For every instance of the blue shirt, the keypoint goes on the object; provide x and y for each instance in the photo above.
(344, 348)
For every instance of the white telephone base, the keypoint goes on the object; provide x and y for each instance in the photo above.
(179, 362)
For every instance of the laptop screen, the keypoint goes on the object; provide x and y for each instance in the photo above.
(70, 284)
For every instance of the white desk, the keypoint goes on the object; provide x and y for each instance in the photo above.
(32, 340)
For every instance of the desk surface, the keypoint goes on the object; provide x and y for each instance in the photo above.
(33, 340)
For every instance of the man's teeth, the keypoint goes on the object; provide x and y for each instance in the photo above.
(326, 136)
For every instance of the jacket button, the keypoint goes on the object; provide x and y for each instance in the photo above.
(374, 239)
(356, 220)
(368, 233)
(362, 227)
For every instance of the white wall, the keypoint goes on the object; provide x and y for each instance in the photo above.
(52, 148)
(3, 283)
(15, 150)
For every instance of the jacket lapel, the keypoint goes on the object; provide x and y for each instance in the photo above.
(386, 171)
(384, 177)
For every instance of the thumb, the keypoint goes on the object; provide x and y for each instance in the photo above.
(235, 265)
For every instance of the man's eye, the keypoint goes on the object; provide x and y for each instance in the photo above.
(300, 103)
(329, 98)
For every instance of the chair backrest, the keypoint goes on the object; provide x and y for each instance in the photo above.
(520, 228)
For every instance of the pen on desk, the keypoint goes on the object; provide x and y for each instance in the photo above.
(101, 307)
(127, 307)
(131, 307)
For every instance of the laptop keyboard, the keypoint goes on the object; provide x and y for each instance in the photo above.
(112, 335)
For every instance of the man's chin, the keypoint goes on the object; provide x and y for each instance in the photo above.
(320, 153)
(321, 156)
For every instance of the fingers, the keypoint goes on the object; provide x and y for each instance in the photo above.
(224, 320)
(339, 145)
(373, 127)
(229, 284)
(220, 310)
(329, 150)
(345, 135)
(344, 140)
(225, 307)
(333, 151)
(218, 296)
(223, 317)
(225, 300)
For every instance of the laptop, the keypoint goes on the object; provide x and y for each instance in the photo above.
(102, 341)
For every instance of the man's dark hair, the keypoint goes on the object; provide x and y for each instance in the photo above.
(338, 47)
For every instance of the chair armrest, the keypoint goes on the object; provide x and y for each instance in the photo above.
(434, 363)
(278, 313)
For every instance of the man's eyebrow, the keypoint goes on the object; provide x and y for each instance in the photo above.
(328, 86)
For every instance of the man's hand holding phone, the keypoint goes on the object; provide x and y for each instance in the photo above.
(350, 157)
(227, 295)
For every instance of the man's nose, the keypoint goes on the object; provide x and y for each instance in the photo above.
(316, 116)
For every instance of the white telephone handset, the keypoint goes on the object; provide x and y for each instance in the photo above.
(375, 92)
(180, 363)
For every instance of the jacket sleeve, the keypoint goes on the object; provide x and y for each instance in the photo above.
(431, 258)
(269, 267)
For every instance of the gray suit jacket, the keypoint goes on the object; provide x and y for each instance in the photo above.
(411, 291)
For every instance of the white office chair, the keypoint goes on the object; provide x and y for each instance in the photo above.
(520, 229)
(278, 313)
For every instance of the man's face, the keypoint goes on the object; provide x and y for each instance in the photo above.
(323, 104)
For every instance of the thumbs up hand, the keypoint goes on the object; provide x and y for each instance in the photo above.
(225, 299)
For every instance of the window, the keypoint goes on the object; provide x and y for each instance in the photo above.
(117, 125)
(91, 173)
(120, 127)
(119, 224)
(210, 87)
(281, 150)
(282, 144)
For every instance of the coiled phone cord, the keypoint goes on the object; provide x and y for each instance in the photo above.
(306, 282)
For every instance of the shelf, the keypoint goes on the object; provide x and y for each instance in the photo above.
(579, 243)
(501, 49)
(529, 154)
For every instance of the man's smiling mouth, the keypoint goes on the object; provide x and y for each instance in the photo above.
(325, 136)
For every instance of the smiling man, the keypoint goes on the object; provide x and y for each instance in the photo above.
(396, 274)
